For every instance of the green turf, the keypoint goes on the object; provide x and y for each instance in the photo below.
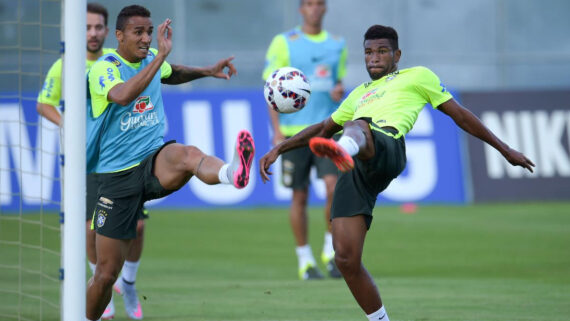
(484, 262)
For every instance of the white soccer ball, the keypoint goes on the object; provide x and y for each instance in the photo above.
(287, 90)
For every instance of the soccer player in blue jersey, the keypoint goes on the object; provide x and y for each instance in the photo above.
(371, 151)
(322, 57)
(125, 124)
(47, 102)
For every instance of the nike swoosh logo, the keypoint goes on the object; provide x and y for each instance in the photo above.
(315, 59)
(382, 317)
(307, 91)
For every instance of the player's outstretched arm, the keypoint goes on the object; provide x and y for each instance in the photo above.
(471, 124)
(182, 74)
(326, 128)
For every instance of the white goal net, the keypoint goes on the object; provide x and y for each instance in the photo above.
(32, 266)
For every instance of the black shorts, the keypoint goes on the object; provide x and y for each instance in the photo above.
(121, 197)
(296, 167)
(356, 190)
(91, 198)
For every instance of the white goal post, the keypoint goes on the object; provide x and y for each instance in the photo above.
(73, 196)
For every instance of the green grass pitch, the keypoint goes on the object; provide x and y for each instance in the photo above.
(495, 262)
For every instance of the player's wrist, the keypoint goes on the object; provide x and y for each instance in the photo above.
(161, 55)
(209, 71)
(504, 149)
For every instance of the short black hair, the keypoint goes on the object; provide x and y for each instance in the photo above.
(93, 7)
(302, 1)
(383, 32)
(130, 11)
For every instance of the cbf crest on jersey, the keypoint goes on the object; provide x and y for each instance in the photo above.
(392, 75)
(113, 60)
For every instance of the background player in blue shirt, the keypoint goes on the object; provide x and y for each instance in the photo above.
(322, 58)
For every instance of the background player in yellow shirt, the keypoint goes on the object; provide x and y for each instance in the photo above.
(371, 152)
(48, 100)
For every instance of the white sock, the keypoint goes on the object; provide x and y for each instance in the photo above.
(223, 174)
(92, 267)
(379, 315)
(349, 145)
(129, 273)
(328, 249)
(305, 256)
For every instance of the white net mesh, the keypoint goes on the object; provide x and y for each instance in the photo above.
(30, 239)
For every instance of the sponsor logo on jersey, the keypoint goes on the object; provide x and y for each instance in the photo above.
(48, 87)
(133, 121)
(110, 75)
(142, 104)
(113, 60)
(322, 71)
(368, 94)
(371, 96)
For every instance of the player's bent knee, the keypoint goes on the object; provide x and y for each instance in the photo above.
(192, 157)
(192, 151)
(105, 278)
(179, 156)
(349, 124)
(346, 262)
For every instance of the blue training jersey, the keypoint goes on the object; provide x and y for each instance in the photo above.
(120, 137)
(322, 59)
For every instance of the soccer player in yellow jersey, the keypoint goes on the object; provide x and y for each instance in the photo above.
(371, 151)
(47, 101)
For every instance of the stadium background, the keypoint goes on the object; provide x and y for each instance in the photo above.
(456, 259)
(507, 46)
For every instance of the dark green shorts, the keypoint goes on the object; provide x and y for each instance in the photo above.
(296, 167)
(121, 197)
(91, 200)
(356, 190)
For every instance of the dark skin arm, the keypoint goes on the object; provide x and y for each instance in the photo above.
(327, 128)
(125, 93)
(182, 74)
(472, 125)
